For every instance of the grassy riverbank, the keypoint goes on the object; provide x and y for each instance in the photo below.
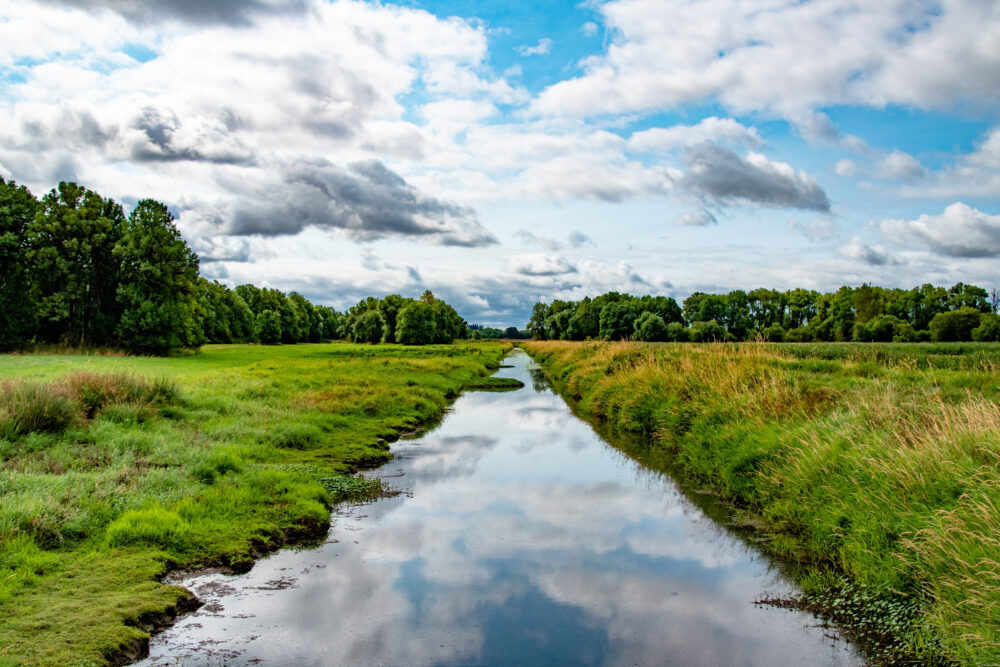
(873, 464)
(115, 470)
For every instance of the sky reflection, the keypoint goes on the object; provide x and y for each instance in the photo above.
(523, 539)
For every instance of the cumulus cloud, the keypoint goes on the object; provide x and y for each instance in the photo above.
(902, 166)
(718, 174)
(709, 129)
(668, 54)
(543, 47)
(960, 231)
(541, 265)
(859, 250)
(233, 12)
(589, 29)
(365, 201)
(973, 174)
(576, 239)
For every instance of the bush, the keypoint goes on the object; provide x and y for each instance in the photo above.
(988, 329)
(709, 332)
(28, 407)
(798, 335)
(368, 328)
(955, 325)
(650, 327)
(773, 334)
(677, 332)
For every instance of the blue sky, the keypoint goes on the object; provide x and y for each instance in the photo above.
(501, 153)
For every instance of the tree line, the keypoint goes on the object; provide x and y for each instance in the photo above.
(75, 270)
(867, 313)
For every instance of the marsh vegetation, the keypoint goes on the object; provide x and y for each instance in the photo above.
(874, 465)
(115, 470)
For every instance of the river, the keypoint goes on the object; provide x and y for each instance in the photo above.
(520, 538)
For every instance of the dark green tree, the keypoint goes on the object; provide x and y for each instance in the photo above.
(158, 290)
(650, 327)
(415, 324)
(268, 327)
(70, 245)
(17, 210)
(709, 332)
(368, 328)
(536, 324)
(617, 321)
(389, 307)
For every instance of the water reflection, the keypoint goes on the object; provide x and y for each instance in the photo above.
(523, 538)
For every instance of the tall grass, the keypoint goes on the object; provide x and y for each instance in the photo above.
(107, 477)
(878, 463)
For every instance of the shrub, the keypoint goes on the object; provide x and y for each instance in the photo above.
(988, 329)
(955, 325)
(709, 332)
(27, 407)
(650, 327)
(677, 332)
(773, 334)
(368, 328)
(798, 335)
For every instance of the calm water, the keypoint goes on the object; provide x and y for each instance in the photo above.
(521, 538)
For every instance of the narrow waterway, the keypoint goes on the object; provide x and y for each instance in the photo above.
(520, 537)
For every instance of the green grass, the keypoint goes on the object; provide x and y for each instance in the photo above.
(874, 464)
(115, 470)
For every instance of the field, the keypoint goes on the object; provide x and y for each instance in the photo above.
(116, 470)
(875, 466)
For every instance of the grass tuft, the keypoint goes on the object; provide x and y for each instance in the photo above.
(153, 526)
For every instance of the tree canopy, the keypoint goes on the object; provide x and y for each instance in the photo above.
(866, 313)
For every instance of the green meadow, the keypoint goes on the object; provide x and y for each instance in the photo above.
(875, 467)
(116, 470)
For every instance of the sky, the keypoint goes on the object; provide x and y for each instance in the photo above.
(500, 154)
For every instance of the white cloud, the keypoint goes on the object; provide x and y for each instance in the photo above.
(960, 231)
(589, 29)
(709, 129)
(543, 47)
(858, 249)
(786, 57)
(975, 174)
(848, 168)
(898, 165)
(541, 265)
(720, 175)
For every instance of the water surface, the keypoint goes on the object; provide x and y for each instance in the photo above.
(520, 538)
